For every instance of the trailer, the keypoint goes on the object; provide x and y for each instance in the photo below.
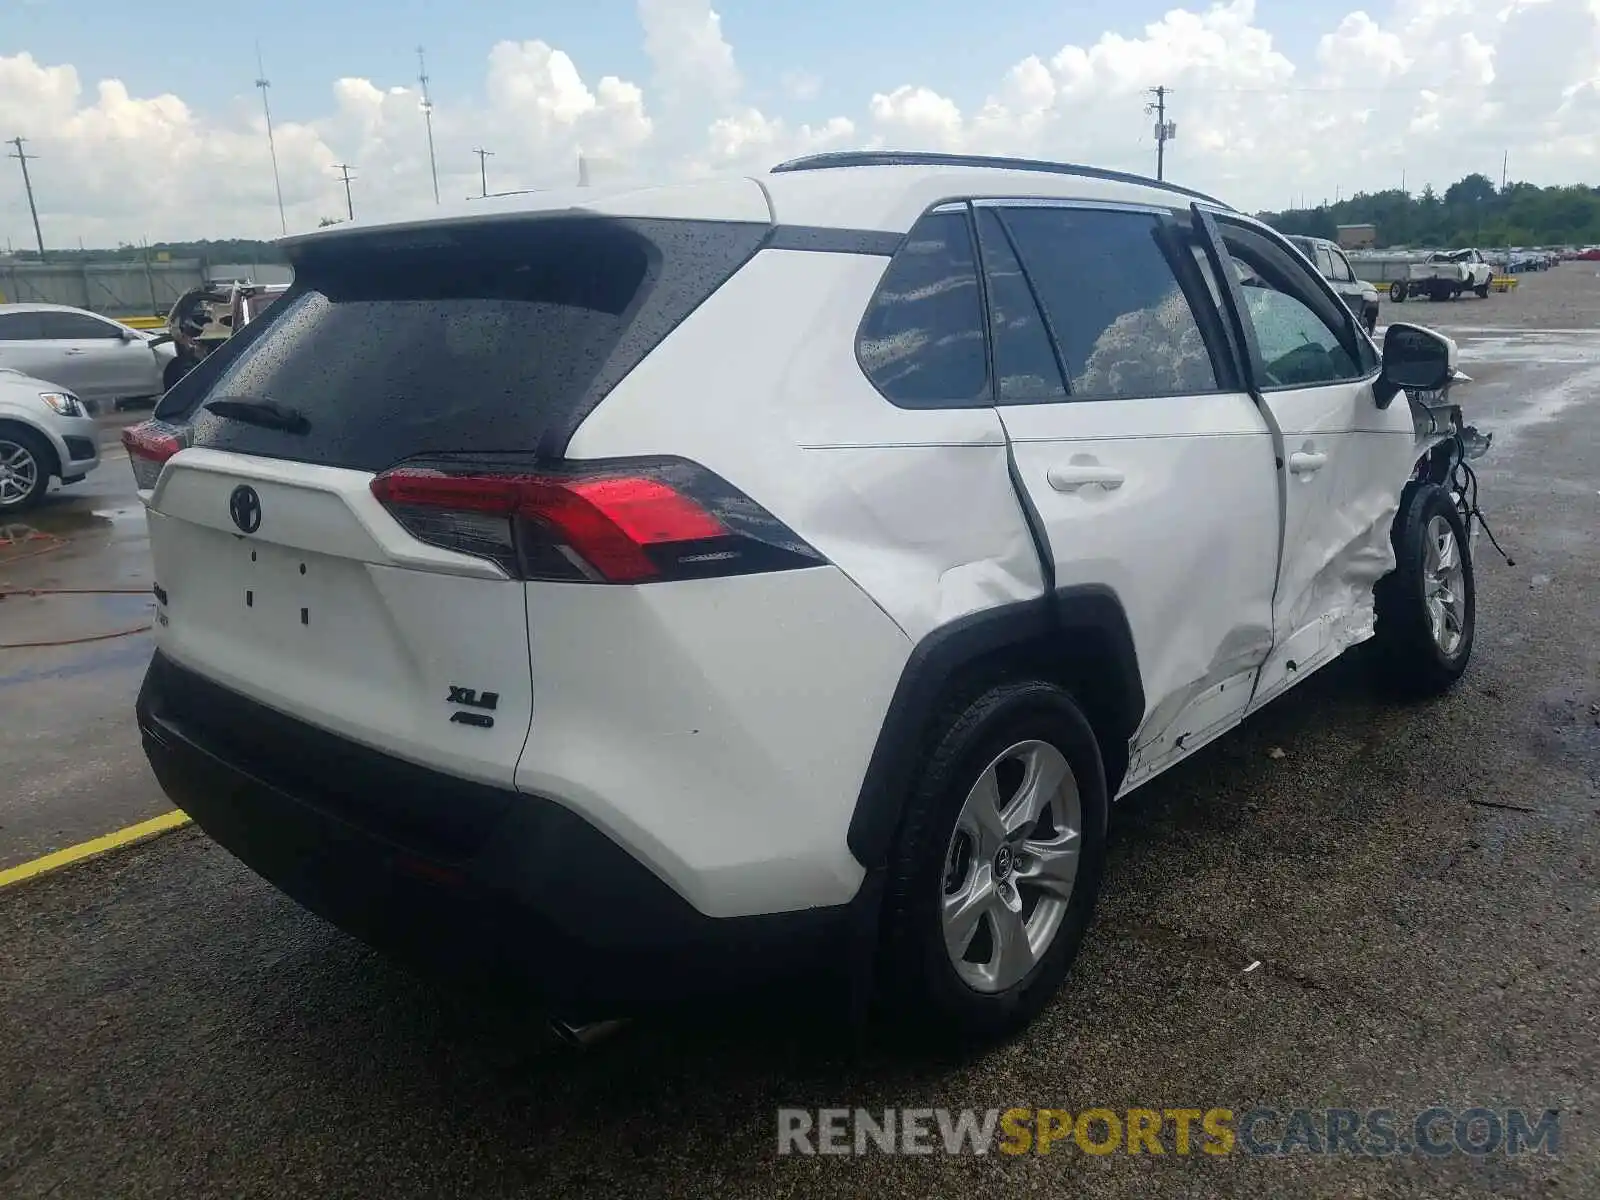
(1388, 271)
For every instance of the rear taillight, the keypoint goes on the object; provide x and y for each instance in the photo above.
(618, 522)
(149, 445)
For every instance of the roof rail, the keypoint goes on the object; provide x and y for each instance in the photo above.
(929, 158)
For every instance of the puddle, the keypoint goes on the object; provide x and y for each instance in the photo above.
(19, 541)
(1545, 406)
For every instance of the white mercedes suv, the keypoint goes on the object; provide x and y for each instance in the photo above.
(659, 591)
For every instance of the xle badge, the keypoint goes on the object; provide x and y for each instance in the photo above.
(472, 698)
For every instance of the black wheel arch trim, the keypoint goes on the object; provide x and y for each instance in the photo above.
(1068, 616)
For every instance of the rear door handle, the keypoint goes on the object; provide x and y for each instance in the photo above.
(1307, 462)
(1080, 475)
(72, 350)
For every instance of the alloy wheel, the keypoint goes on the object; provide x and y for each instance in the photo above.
(1010, 866)
(19, 473)
(1444, 586)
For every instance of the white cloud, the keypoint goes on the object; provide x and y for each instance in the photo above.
(1434, 89)
(684, 40)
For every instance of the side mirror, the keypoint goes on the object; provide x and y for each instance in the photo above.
(1415, 360)
(128, 335)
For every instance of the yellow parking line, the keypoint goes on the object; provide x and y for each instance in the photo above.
(99, 845)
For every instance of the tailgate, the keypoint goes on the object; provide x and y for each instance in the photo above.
(328, 610)
(286, 579)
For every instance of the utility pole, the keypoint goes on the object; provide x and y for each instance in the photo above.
(349, 205)
(1505, 162)
(427, 117)
(264, 83)
(22, 156)
(1165, 130)
(483, 169)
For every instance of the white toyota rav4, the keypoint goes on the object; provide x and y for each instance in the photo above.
(659, 591)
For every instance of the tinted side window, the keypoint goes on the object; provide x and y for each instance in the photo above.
(1325, 262)
(921, 341)
(1317, 316)
(19, 327)
(72, 327)
(1121, 321)
(1341, 268)
(1025, 366)
(1298, 348)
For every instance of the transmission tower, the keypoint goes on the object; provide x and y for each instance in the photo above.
(264, 83)
(427, 117)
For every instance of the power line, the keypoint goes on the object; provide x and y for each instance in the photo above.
(483, 170)
(264, 83)
(427, 117)
(22, 156)
(1368, 89)
(349, 204)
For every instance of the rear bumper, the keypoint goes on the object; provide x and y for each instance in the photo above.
(460, 877)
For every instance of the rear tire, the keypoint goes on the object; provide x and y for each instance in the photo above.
(1427, 606)
(26, 464)
(1397, 292)
(1483, 292)
(977, 937)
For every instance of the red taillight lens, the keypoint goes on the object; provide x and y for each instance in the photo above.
(149, 445)
(621, 523)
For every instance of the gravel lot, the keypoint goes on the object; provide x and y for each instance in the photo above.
(1417, 885)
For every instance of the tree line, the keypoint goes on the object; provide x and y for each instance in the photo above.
(226, 250)
(1472, 212)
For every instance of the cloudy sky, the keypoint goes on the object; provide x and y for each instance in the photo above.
(146, 122)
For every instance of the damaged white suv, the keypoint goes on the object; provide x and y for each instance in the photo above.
(660, 591)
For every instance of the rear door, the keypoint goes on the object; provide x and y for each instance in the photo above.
(283, 575)
(1148, 466)
(1344, 459)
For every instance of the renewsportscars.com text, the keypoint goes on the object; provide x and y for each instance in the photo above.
(1260, 1132)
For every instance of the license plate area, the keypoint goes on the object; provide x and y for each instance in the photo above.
(289, 593)
(263, 610)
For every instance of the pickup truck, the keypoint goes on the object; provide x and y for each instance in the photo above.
(1446, 274)
(1332, 265)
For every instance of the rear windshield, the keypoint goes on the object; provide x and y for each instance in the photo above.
(493, 337)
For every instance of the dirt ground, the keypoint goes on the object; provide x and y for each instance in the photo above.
(1565, 297)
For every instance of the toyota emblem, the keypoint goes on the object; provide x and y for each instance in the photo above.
(244, 506)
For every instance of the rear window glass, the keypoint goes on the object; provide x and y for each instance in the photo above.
(921, 341)
(494, 338)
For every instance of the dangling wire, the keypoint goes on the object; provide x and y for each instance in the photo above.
(1464, 482)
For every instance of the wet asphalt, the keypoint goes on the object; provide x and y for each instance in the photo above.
(1416, 883)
